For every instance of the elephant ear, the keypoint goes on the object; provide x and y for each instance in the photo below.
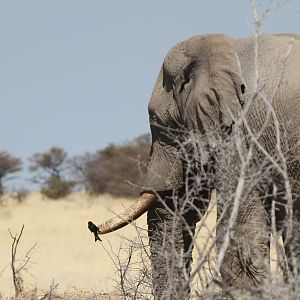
(217, 53)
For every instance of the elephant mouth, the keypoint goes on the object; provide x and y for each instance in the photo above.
(137, 209)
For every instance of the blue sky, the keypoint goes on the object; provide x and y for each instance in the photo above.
(79, 74)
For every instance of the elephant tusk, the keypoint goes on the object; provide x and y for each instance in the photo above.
(138, 208)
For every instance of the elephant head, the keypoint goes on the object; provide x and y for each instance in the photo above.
(199, 89)
(198, 93)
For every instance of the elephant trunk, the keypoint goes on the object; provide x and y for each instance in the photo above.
(138, 208)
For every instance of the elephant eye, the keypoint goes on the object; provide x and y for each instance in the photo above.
(243, 89)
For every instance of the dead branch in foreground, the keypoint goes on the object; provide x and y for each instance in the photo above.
(17, 270)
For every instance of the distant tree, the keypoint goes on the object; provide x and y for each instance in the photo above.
(8, 165)
(117, 169)
(51, 168)
(143, 140)
(81, 165)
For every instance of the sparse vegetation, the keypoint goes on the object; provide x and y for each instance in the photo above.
(18, 266)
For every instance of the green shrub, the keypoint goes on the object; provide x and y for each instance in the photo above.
(57, 188)
(51, 169)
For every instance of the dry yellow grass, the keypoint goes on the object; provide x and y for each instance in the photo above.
(66, 251)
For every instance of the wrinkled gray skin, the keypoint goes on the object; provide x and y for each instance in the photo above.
(203, 84)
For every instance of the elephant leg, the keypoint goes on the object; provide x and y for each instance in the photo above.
(171, 245)
(290, 228)
(246, 260)
(291, 240)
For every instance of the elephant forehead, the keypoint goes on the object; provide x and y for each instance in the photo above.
(216, 52)
(208, 44)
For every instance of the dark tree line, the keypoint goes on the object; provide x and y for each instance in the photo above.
(116, 169)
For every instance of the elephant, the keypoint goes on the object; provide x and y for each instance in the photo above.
(224, 115)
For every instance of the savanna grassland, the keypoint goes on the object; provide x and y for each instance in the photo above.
(66, 253)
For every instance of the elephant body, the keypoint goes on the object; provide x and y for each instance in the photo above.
(204, 86)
